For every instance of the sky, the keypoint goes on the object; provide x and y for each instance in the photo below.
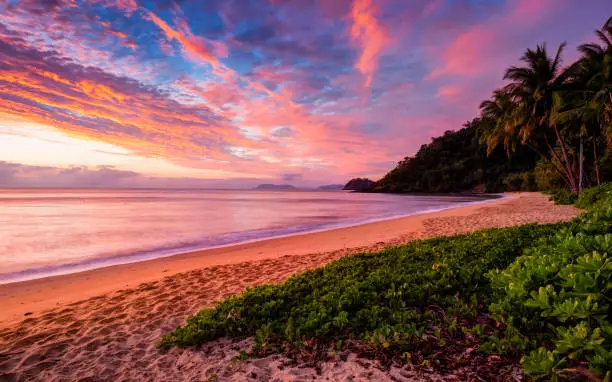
(233, 93)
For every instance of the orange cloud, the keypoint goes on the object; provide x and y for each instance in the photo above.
(106, 108)
(239, 96)
(129, 5)
(256, 122)
(193, 44)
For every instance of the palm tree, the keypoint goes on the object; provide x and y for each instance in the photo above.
(500, 125)
(595, 64)
(497, 125)
(533, 88)
(591, 82)
(524, 112)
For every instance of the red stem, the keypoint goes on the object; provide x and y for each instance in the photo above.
(566, 157)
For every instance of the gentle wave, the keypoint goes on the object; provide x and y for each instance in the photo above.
(186, 231)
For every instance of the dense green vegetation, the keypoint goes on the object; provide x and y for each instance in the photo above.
(562, 196)
(548, 287)
(585, 199)
(556, 299)
(458, 161)
(365, 292)
(594, 196)
(542, 119)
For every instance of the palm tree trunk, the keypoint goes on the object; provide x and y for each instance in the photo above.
(596, 162)
(581, 163)
(567, 175)
(566, 157)
(557, 168)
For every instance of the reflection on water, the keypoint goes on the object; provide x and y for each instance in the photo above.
(45, 232)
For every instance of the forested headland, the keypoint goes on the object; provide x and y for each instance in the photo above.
(548, 127)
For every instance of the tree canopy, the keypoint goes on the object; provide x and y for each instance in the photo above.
(550, 125)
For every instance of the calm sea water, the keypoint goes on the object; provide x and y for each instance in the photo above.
(47, 232)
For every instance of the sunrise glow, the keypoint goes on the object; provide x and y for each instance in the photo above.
(312, 91)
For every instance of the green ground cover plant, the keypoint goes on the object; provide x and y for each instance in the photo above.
(556, 297)
(590, 198)
(362, 293)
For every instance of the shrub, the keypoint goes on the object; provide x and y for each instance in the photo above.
(523, 181)
(562, 196)
(546, 177)
(591, 196)
(361, 294)
(557, 297)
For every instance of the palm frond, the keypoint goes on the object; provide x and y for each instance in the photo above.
(604, 38)
(557, 61)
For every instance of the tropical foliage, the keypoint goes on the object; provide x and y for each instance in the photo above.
(365, 292)
(557, 296)
(542, 119)
(554, 111)
(457, 161)
(562, 196)
(594, 196)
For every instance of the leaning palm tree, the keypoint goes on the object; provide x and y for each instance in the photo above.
(533, 88)
(522, 112)
(598, 59)
(499, 125)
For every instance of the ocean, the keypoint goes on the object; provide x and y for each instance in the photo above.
(46, 232)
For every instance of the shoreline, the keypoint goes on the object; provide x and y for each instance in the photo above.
(105, 324)
(90, 265)
(35, 295)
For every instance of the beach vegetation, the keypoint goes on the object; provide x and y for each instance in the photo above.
(593, 196)
(535, 293)
(378, 296)
(557, 297)
(562, 196)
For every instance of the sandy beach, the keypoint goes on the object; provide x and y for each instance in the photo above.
(104, 324)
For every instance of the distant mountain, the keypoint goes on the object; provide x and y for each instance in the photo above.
(359, 184)
(331, 187)
(277, 187)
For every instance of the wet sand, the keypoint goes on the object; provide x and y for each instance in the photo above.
(104, 324)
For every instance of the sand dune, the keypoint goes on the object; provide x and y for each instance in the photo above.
(107, 332)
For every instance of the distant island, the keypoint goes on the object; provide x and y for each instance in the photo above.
(331, 187)
(276, 187)
(359, 184)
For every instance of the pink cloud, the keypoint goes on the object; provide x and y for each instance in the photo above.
(368, 33)
(477, 50)
(296, 105)
(449, 91)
